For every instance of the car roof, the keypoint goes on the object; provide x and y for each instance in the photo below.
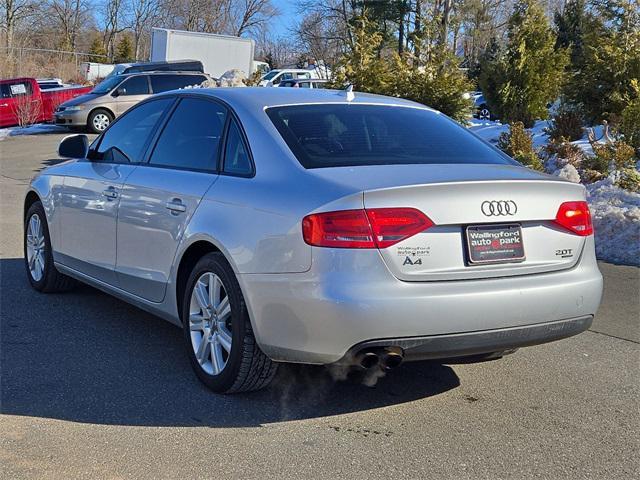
(263, 97)
(161, 72)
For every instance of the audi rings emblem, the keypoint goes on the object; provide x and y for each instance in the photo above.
(499, 208)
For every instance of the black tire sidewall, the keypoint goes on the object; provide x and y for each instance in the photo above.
(38, 209)
(92, 115)
(215, 263)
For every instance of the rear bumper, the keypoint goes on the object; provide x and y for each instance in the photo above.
(320, 315)
(475, 343)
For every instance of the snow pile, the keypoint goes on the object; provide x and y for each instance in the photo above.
(616, 220)
(568, 172)
(232, 78)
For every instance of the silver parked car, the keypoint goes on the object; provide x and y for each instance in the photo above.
(314, 226)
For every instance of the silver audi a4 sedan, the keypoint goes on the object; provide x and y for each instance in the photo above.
(321, 227)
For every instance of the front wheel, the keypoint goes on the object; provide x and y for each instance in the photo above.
(217, 331)
(38, 256)
(99, 120)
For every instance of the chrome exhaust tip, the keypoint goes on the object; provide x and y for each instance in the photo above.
(367, 359)
(392, 358)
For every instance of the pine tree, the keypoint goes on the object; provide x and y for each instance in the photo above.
(570, 26)
(124, 50)
(361, 66)
(97, 49)
(602, 85)
(528, 75)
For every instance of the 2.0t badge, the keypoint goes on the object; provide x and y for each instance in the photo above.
(495, 208)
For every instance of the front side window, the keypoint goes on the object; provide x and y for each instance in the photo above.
(132, 131)
(191, 138)
(335, 135)
(236, 156)
(164, 83)
(136, 86)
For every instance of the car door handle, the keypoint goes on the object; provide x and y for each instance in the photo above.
(176, 206)
(4, 104)
(110, 193)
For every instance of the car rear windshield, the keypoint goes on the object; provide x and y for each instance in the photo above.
(335, 135)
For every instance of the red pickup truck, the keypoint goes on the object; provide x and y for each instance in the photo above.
(22, 102)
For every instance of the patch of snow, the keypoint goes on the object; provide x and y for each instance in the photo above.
(36, 129)
(568, 172)
(616, 221)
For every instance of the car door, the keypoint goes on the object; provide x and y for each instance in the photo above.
(131, 92)
(91, 192)
(159, 198)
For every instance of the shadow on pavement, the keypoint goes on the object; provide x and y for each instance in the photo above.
(84, 356)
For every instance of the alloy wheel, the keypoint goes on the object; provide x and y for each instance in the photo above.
(36, 246)
(210, 323)
(101, 121)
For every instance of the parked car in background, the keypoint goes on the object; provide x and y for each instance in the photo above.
(482, 110)
(393, 234)
(118, 93)
(305, 83)
(274, 77)
(162, 66)
(23, 101)
(92, 71)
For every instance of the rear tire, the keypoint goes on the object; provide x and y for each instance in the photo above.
(218, 336)
(38, 256)
(99, 120)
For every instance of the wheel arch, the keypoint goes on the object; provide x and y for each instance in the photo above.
(192, 254)
(30, 198)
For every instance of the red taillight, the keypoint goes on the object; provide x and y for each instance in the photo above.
(575, 216)
(370, 228)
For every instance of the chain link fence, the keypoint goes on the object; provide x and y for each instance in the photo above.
(44, 63)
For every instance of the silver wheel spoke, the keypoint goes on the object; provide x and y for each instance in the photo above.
(214, 290)
(224, 309)
(224, 338)
(216, 356)
(203, 349)
(196, 323)
(201, 296)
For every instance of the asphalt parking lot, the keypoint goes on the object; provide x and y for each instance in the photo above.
(94, 388)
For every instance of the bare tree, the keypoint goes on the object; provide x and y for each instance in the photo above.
(69, 17)
(113, 24)
(13, 12)
(142, 13)
(250, 15)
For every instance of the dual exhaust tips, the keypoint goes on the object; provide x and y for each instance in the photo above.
(386, 358)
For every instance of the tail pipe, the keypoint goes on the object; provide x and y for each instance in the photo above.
(386, 358)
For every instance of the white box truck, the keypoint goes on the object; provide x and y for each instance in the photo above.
(218, 53)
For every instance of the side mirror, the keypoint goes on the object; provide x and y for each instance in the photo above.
(74, 146)
(120, 91)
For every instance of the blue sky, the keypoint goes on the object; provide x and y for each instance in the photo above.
(281, 25)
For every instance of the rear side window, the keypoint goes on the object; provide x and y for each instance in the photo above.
(15, 89)
(236, 157)
(191, 138)
(164, 83)
(132, 131)
(136, 85)
(336, 135)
